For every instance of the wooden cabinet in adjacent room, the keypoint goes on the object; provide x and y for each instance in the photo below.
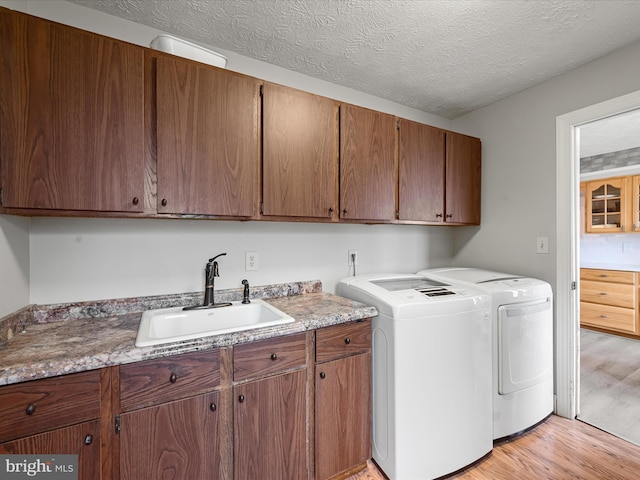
(53, 416)
(606, 206)
(608, 300)
(368, 173)
(207, 131)
(463, 179)
(71, 116)
(300, 153)
(343, 407)
(169, 425)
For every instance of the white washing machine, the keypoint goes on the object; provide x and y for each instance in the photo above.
(522, 344)
(431, 373)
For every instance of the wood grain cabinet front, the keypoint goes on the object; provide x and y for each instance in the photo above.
(300, 153)
(608, 300)
(343, 408)
(58, 415)
(463, 179)
(207, 140)
(71, 118)
(168, 425)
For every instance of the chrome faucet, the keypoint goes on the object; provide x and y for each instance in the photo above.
(210, 273)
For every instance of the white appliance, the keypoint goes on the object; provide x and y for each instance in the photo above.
(431, 373)
(522, 344)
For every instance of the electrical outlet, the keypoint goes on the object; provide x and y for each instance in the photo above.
(542, 245)
(352, 259)
(251, 261)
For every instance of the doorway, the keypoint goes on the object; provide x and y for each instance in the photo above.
(609, 360)
(567, 260)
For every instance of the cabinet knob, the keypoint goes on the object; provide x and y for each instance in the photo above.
(135, 200)
(347, 340)
(213, 407)
(31, 409)
(323, 375)
(163, 202)
(241, 398)
(173, 378)
(438, 215)
(449, 215)
(274, 356)
(88, 439)
(344, 212)
(330, 209)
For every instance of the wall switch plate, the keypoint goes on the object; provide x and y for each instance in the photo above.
(251, 261)
(542, 245)
(352, 258)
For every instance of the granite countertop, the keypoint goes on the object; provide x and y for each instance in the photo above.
(60, 339)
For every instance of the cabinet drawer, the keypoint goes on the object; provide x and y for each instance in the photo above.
(615, 294)
(611, 318)
(166, 379)
(615, 276)
(266, 357)
(343, 340)
(40, 405)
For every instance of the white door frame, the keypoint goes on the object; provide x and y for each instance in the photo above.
(567, 260)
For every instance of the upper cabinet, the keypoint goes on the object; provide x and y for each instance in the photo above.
(463, 179)
(71, 116)
(606, 205)
(634, 204)
(421, 172)
(207, 140)
(368, 173)
(300, 153)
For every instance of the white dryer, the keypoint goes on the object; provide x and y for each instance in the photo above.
(522, 311)
(431, 373)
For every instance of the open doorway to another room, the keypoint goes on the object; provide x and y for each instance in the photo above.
(609, 263)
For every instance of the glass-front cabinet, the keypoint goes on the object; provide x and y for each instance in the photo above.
(606, 205)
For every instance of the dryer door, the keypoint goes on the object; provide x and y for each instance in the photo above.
(525, 344)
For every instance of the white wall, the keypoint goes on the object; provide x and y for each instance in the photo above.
(14, 263)
(519, 163)
(88, 259)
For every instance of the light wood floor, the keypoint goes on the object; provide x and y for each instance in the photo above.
(610, 383)
(557, 449)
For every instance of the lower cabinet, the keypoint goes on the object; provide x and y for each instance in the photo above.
(177, 440)
(270, 428)
(82, 440)
(54, 416)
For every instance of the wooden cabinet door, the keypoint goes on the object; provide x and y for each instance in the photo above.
(177, 440)
(207, 140)
(634, 204)
(271, 428)
(343, 414)
(82, 439)
(421, 172)
(300, 153)
(606, 206)
(368, 174)
(71, 115)
(463, 179)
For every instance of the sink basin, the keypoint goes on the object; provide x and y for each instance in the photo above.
(174, 324)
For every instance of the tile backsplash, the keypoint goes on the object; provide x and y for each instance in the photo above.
(614, 249)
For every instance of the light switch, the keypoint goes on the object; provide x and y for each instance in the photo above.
(542, 245)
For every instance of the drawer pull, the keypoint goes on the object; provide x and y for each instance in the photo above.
(88, 439)
(323, 375)
(241, 398)
(603, 316)
(347, 340)
(135, 200)
(604, 294)
(173, 378)
(274, 357)
(31, 409)
(213, 407)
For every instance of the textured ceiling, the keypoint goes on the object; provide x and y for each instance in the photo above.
(442, 57)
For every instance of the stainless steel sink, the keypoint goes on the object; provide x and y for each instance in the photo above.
(174, 324)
